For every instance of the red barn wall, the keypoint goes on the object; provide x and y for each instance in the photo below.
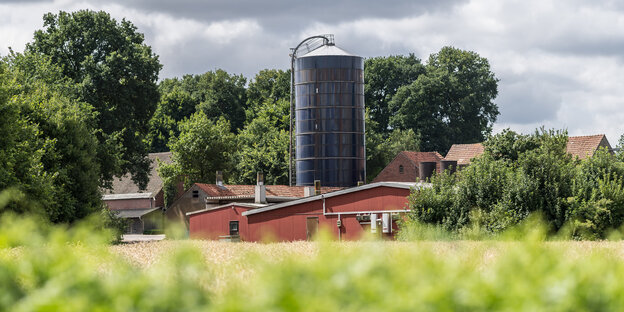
(289, 223)
(214, 223)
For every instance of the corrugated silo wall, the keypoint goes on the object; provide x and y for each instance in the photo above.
(330, 143)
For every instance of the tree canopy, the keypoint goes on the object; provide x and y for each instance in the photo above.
(49, 147)
(383, 77)
(115, 73)
(451, 102)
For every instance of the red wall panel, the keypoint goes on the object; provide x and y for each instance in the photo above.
(214, 223)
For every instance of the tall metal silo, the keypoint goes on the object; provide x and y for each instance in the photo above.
(329, 114)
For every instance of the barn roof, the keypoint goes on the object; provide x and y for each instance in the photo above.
(125, 185)
(402, 185)
(585, 146)
(241, 205)
(232, 191)
(463, 153)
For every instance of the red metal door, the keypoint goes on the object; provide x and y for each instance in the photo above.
(311, 227)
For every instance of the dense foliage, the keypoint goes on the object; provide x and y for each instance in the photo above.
(451, 102)
(519, 175)
(49, 147)
(115, 73)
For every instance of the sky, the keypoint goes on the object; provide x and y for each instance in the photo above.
(560, 63)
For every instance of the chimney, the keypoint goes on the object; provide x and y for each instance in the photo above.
(450, 165)
(317, 187)
(308, 191)
(259, 178)
(426, 170)
(260, 192)
(219, 178)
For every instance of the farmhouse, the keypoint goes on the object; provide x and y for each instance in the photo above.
(142, 208)
(346, 214)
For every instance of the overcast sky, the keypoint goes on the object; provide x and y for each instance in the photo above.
(560, 63)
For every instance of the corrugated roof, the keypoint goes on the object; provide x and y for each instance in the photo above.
(463, 153)
(585, 146)
(214, 190)
(133, 213)
(127, 196)
(125, 185)
(327, 50)
(242, 205)
(403, 185)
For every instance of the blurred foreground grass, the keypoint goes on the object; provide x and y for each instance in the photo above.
(46, 268)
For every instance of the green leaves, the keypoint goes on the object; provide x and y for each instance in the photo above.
(519, 175)
(49, 148)
(451, 102)
(115, 73)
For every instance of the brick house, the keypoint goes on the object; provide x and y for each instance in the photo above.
(405, 167)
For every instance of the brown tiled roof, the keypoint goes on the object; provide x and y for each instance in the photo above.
(585, 146)
(125, 185)
(213, 190)
(418, 157)
(463, 153)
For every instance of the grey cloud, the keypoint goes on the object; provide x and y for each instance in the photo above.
(287, 15)
(528, 100)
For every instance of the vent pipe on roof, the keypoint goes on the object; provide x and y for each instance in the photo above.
(317, 187)
(308, 191)
(219, 178)
(260, 178)
(260, 191)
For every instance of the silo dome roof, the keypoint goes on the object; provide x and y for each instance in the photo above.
(328, 50)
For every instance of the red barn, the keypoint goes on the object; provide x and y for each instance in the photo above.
(348, 214)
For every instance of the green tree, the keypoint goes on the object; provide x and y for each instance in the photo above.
(262, 146)
(383, 77)
(220, 94)
(116, 74)
(173, 107)
(452, 102)
(500, 189)
(268, 86)
(62, 172)
(203, 147)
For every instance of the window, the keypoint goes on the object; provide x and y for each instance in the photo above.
(233, 228)
(195, 194)
(401, 169)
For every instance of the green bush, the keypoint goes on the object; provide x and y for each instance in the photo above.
(519, 175)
